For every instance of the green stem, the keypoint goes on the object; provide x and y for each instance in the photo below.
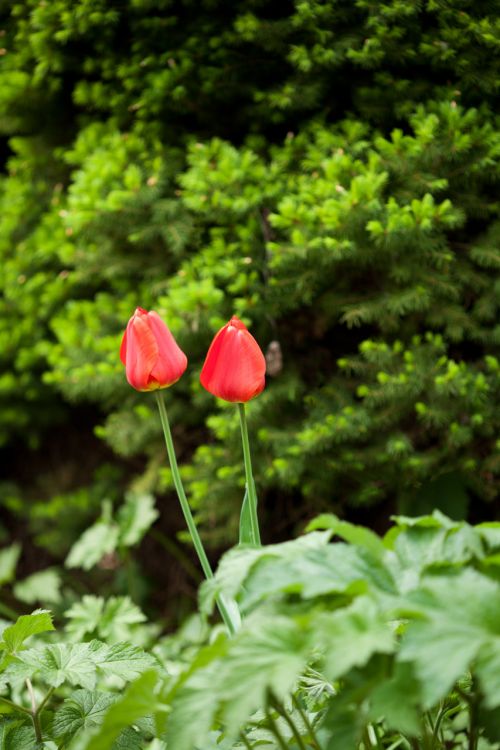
(275, 730)
(252, 493)
(15, 706)
(34, 712)
(437, 726)
(398, 742)
(471, 700)
(371, 738)
(188, 516)
(45, 701)
(284, 713)
(473, 728)
(245, 741)
(305, 719)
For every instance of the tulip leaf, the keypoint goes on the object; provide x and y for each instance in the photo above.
(247, 535)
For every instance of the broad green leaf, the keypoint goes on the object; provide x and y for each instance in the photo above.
(216, 741)
(421, 547)
(490, 532)
(193, 709)
(343, 726)
(269, 654)
(488, 670)
(351, 635)
(98, 540)
(196, 670)
(124, 660)
(129, 738)
(84, 616)
(119, 616)
(135, 517)
(79, 663)
(462, 544)
(336, 568)
(8, 562)
(459, 623)
(359, 535)
(111, 620)
(44, 586)
(397, 700)
(17, 735)
(436, 520)
(25, 626)
(57, 663)
(84, 709)
(492, 561)
(415, 549)
(138, 700)
(237, 563)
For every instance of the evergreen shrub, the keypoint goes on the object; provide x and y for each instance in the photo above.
(325, 170)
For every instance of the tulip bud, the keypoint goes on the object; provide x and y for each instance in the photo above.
(150, 353)
(235, 367)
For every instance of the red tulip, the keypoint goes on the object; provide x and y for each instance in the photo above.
(234, 367)
(150, 353)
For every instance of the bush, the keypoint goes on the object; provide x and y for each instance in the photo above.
(327, 171)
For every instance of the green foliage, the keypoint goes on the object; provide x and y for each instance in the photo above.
(353, 644)
(109, 534)
(8, 561)
(112, 620)
(45, 584)
(389, 646)
(14, 636)
(79, 664)
(137, 702)
(328, 172)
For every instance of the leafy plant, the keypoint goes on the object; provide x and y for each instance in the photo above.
(360, 643)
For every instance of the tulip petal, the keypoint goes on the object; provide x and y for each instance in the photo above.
(235, 366)
(123, 348)
(171, 361)
(211, 366)
(141, 352)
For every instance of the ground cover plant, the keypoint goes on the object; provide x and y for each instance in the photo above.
(360, 642)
